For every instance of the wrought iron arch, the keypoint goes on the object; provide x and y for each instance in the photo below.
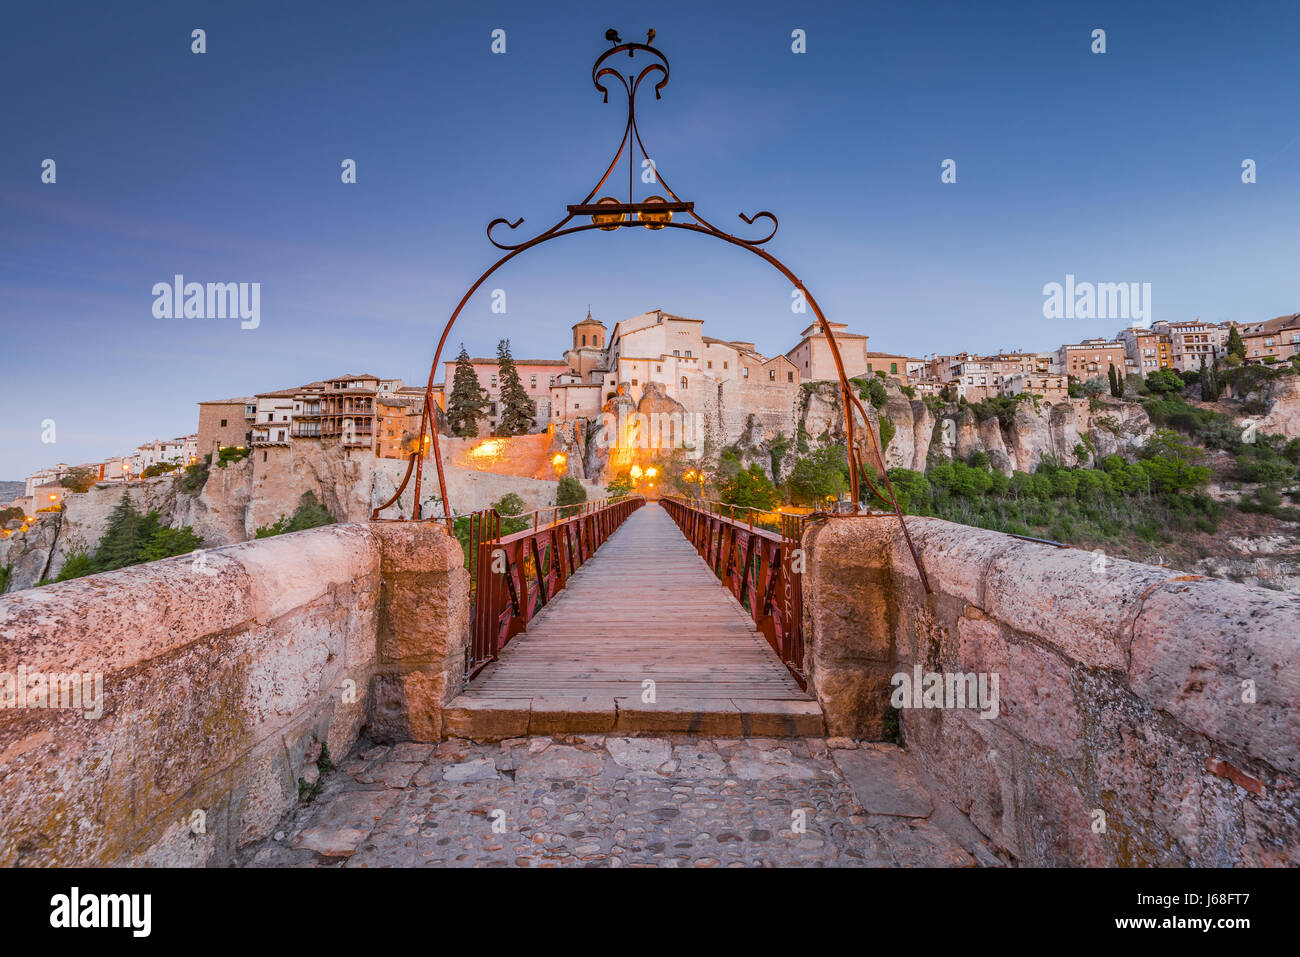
(653, 212)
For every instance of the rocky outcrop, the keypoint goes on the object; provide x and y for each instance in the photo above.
(1283, 415)
(1034, 432)
(1266, 561)
(28, 553)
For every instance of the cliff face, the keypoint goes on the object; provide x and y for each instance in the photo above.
(1283, 415)
(1033, 433)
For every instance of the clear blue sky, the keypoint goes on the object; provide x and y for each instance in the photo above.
(226, 167)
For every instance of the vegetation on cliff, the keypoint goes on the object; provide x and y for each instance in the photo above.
(310, 513)
(131, 538)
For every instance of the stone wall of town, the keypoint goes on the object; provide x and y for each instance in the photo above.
(1143, 717)
(215, 684)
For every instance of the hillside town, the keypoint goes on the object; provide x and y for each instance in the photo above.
(367, 414)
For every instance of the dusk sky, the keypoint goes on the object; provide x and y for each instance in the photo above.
(225, 167)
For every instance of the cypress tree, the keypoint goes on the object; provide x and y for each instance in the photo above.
(517, 410)
(1235, 345)
(1114, 381)
(468, 400)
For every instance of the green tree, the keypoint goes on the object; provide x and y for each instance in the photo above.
(9, 513)
(167, 542)
(310, 513)
(1171, 463)
(79, 480)
(517, 410)
(122, 539)
(510, 507)
(818, 476)
(1235, 346)
(620, 484)
(1115, 389)
(750, 488)
(1164, 380)
(912, 490)
(570, 491)
(79, 564)
(468, 400)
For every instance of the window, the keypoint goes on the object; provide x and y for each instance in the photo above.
(789, 377)
(684, 383)
(771, 375)
(688, 353)
(724, 362)
(746, 372)
(532, 382)
(869, 369)
(676, 352)
(223, 423)
(659, 368)
(263, 455)
(710, 366)
(893, 367)
(584, 340)
(634, 381)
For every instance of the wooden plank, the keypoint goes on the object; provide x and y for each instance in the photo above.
(645, 605)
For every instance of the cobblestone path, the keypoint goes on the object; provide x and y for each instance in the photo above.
(605, 801)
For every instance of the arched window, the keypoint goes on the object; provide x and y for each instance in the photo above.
(684, 384)
(584, 340)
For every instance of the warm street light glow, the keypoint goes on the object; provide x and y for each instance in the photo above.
(651, 472)
(607, 221)
(655, 219)
(559, 459)
(488, 449)
(636, 472)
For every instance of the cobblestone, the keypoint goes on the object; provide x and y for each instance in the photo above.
(608, 801)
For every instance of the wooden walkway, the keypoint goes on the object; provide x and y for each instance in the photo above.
(644, 608)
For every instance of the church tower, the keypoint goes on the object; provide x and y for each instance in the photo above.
(589, 333)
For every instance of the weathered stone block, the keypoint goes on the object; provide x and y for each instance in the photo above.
(1203, 649)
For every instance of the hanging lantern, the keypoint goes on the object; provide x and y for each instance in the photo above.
(655, 219)
(607, 221)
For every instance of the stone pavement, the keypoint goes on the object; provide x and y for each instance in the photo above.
(606, 801)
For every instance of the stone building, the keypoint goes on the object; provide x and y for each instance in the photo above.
(1189, 342)
(537, 376)
(1277, 338)
(812, 355)
(225, 422)
(1091, 358)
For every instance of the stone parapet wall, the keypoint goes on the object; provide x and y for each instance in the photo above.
(1143, 718)
(223, 675)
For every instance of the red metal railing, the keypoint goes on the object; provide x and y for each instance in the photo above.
(513, 576)
(762, 567)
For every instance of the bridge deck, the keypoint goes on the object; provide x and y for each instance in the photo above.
(645, 606)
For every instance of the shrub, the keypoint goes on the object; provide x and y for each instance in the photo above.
(570, 491)
(310, 513)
